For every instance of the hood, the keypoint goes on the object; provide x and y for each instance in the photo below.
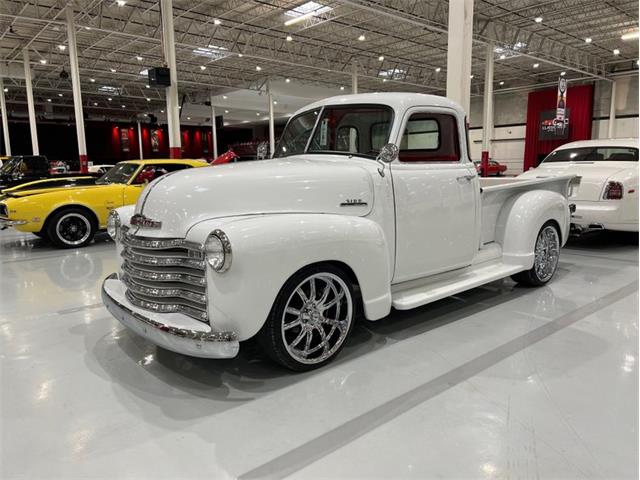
(593, 175)
(48, 185)
(297, 184)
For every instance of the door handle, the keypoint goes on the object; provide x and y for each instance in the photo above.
(468, 178)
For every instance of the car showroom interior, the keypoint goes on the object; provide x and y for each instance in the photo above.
(319, 239)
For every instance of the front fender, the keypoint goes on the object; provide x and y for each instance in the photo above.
(522, 217)
(268, 249)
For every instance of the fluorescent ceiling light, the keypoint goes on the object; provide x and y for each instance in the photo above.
(616, 51)
(503, 56)
(6, 90)
(109, 98)
(536, 65)
(538, 19)
(438, 69)
(217, 21)
(202, 67)
(341, 88)
(588, 40)
(501, 83)
(92, 80)
(148, 99)
(48, 99)
(362, 38)
(258, 68)
(59, 94)
(287, 80)
(305, 11)
(289, 38)
(630, 36)
(121, 3)
(562, 74)
(123, 106)
(43, 61)
(381, 58)
(214, 52)
(139, 58)
(147, 86)
(113, 70)
(226, 111)
(62, 48)
(95, 104)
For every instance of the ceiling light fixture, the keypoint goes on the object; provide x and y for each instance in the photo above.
(588, 40)
(95, 104)
(123, 106)
(139, 58)
(224, 97)
(275, 102)
(161, 111)
(438, 69)
(147, 86)
(258, 68)
(188, 118)
(62, 48)
(48, 99)
(616, 51)
(202, 67)
(6, 90)
(240, 55)
(502, 57)
(217, 21)
(536, 65)
(258, 114)
(538, 19)
(92, 80)
(381, 58)
(113, 70)
(295, 20)
(60, 94)
(471, 76)
(226, 111)
(342, 88)
(43, 61)
(109, 98)
(362, 38)
(121, 3)
(289, 38)
(562, 74)
(148, 99)
(287, 80)
(630, 36)
(501, 83)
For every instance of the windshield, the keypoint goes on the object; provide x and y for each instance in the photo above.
(345, 129)
(121, 173)
(593, 154)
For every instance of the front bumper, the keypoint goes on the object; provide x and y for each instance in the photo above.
(173, 331)
(6, 223)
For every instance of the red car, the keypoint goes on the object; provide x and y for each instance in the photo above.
(495, 169)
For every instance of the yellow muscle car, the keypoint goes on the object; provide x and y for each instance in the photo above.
(70, 215)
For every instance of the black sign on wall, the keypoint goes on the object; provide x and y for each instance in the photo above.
(551, 128)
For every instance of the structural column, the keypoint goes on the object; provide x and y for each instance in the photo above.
(77, 93)
(354, 78)
(459, 52)
(173, 113)
(214, 130)
(35, 150)
(140, 152)
(487, 110)
(612, 111)
(272, 134)
(5, 121)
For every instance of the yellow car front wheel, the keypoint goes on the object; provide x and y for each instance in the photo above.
(71, 228)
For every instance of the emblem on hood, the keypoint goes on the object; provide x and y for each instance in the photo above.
(353, 202)
(140, 220)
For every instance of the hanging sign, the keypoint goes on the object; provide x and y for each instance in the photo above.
(561, 102)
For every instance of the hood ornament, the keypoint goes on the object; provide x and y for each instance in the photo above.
(141, 221)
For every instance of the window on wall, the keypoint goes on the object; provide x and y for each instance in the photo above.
(430, 137)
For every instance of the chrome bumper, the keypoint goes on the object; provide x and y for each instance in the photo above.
(6, 223)
(173, 331)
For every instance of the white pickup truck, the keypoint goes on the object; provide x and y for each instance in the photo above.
(371, 202)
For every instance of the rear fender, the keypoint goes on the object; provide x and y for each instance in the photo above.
(522, 217)
(268, 249)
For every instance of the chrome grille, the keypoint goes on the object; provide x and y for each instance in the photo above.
(165, 275)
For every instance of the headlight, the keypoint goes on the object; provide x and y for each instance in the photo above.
(113, 225)
(218, 251)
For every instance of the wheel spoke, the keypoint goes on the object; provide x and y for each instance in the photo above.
(289, 326)
(312, 289)
(293, 311)
(333, 302)
(299, 338)
(325, 294)
(302, 295)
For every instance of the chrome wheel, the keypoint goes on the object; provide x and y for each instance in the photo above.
(547, 253)
(317, 318)
(73, 229)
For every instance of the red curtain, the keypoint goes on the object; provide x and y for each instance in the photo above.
(580, 105)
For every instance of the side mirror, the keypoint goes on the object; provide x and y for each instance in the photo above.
(387, 154)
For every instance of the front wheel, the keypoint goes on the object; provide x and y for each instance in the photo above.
(310, 320)
(71, 228)
(547, 254)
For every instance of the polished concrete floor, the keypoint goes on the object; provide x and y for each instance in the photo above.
(499, 382)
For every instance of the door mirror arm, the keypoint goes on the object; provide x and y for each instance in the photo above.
(387, 154)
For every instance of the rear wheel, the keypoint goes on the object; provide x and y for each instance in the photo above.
(547, 254)
(71, 228)
(311, 318)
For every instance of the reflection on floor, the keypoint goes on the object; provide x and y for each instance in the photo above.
(497, 382)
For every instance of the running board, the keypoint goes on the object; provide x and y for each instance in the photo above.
(413, 296)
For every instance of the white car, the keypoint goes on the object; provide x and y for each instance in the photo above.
(371, 203)
(607, 197)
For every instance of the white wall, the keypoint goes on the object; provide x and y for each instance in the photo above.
(510, 117)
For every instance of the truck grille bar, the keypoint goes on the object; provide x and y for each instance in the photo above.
(165, 275)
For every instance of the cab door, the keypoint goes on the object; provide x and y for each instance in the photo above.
(435, 190)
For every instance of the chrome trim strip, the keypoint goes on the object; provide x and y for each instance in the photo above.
(163, 277)
(6, 223)
(166, 308)
(199, 298)
(155, 243)
(162, 260)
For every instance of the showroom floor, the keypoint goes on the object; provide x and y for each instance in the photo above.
(498, 382)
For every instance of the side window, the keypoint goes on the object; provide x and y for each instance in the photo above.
(430, 137)
(347, 139)
(379, 135)
(151, 172)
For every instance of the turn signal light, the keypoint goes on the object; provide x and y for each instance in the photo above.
(613, 191)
